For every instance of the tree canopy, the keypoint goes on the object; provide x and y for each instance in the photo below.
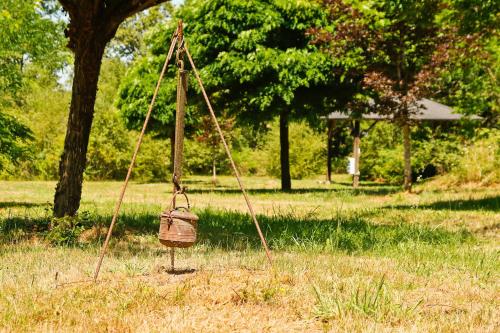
(256, 59)
(30, 42)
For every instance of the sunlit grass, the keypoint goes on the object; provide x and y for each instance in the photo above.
(351, 260)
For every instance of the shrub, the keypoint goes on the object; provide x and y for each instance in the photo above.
(307, 151)
(480, 162)
(67, 230)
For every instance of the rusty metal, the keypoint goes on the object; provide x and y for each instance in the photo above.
(228, 152)
(178, 225)
(134, 156)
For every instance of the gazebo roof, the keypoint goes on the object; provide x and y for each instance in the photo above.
(425, 110)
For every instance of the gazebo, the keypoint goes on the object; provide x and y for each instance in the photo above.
(424, 110)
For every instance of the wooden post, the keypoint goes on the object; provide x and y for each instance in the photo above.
(356, 152)
(180, 112)
(179, 125)
(286, 181)
(329, 150)
(407, 157)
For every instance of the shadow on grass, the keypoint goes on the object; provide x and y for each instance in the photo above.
(380, 190)
(235, 231)
(367, 184)
(17, 204)
(486, 203)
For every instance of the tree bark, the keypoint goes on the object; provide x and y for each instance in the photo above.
(88, 56)
(91, 25)
(407, 157)
(286, 182)
(329, 151)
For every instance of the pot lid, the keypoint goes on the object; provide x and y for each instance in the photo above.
(180, 214)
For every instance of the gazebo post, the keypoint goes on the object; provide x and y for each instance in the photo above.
(356, 152)
(329, 150)
(407, 156)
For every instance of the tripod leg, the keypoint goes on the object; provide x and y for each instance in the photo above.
(228, 152)
(132, 162)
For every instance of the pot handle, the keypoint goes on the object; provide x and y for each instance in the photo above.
(172, 206)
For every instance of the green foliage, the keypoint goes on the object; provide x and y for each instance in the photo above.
(26, 38)
(110, 146)
(153, 162)
(475, 16)
(14, 138)
(199, 157)
(67, 230)
(254, 58)
(29, 43)
(436, 150)
(110, 143)
(257, 56)
(469, 78)
(470, 83)
(43, 111)
(307, 151)
(480, 162)
(136, 92)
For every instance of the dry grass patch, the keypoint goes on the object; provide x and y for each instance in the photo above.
(368, 260)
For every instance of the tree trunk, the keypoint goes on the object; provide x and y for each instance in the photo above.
(286, 182)
(214, 172)
(356, 153)
(407, 157)
(88, 56)
(329, 151)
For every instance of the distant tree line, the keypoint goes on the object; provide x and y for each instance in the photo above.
(268, 66)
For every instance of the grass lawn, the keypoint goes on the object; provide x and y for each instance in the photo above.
(372, 259)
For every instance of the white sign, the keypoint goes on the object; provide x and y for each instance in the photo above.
(350, 166)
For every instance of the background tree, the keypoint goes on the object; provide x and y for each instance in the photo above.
(392, 44)
(468, 59)
(13, 139)
(30, 46)
(257, 61)
(208, 135)
(92, 25)
(135, 94)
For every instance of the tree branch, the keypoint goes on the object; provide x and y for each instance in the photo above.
(68, 5)
(117, 11)
(120, 10)
(102, 16)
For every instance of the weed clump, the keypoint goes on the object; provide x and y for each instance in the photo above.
(373, 300)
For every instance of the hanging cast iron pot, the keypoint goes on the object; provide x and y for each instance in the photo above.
(178, 225)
